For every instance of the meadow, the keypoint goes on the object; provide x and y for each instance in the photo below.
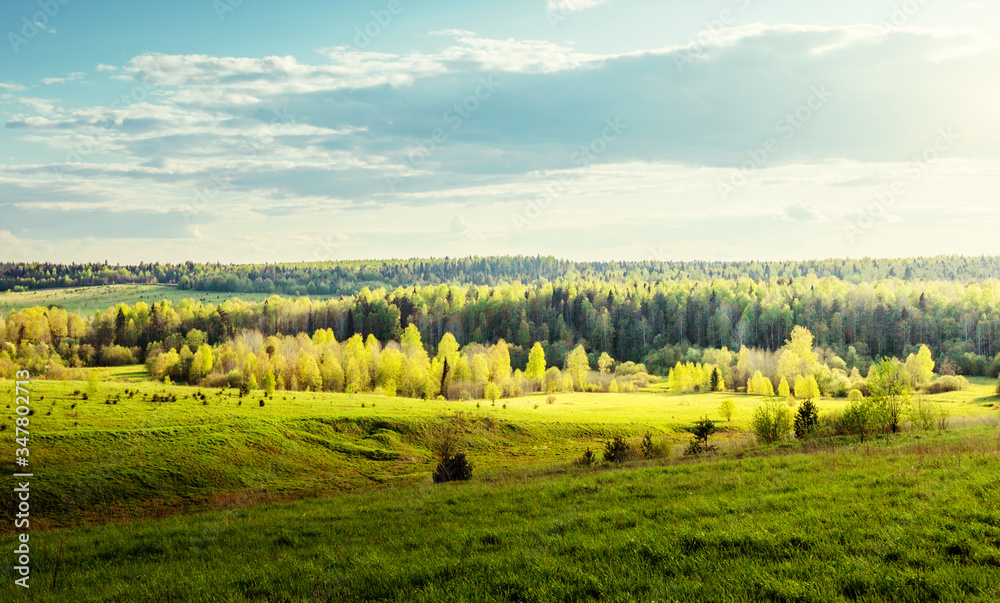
(912, 517)
(131, 447)
(166, 492)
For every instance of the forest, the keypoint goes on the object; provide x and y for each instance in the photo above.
(657, 324)
(348, 277)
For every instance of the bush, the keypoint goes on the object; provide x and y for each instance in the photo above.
(588, 458)
(452, 464)
(943, 419)
(701, 430)
(947, 383)
(455, 468)
(858, 418)
(617, 450)
(923, 415)
(726, 410)
(855, 396)
(806, 419)
(649, 449)
(550, 399)
(235, 378)
(771, 422)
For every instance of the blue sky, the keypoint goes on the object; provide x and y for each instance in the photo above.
(253, 131)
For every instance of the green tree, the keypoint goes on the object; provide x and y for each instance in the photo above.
(604, 363)
(536, 363)
(920, 367)
(801, 387)
(447, 347)
(492, 391)
(726, 409)
(268, 383)
(783, 390)
(890, 392)
(577, 365)
(499, 362)
(806, 419)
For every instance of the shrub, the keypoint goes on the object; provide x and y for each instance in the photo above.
(617, 450)
(943, 419)
(726, 409)
(455, 468)
(234, 379)
(806, 419)
(649, 449)
(771, 422)
(923, 415)
(550, 399)
(858, 418)
(947, 383)
(702, 429)
(855, 396)
(452, 464)
(588, 458)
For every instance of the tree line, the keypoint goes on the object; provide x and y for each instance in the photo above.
(348, 277)
(655, 324)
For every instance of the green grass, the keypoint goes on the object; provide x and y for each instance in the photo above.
(87, 300)
(912, 517)
(126, 454)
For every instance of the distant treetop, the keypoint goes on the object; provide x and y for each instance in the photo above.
(347, 277)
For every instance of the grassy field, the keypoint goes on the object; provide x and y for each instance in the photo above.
(87, 300)
(913, 517)
(138, 448)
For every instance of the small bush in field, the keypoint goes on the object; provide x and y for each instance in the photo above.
(648, 448)
(617, 450)
(923, 415)
(771, 422)
(588, 458)
(726, 409)
(452, 464)
(456, 468)
(806, 419)
(947, 383)
(551, 399)
(943, 419)
(702, 429)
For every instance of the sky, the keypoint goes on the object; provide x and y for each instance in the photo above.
(264, 131)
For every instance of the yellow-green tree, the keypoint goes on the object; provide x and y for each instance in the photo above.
(920, 367)
(536, 363)
(577, 366)
(783, 390)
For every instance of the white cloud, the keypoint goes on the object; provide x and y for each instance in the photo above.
(800, 212)
(572, 5)
(103, 67)
(76, 75)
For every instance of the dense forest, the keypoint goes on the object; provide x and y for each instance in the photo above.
(348, 277)
(658, 324)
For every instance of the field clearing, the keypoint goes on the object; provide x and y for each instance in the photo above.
(909, 518)
(140, 448)
(87, 300)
